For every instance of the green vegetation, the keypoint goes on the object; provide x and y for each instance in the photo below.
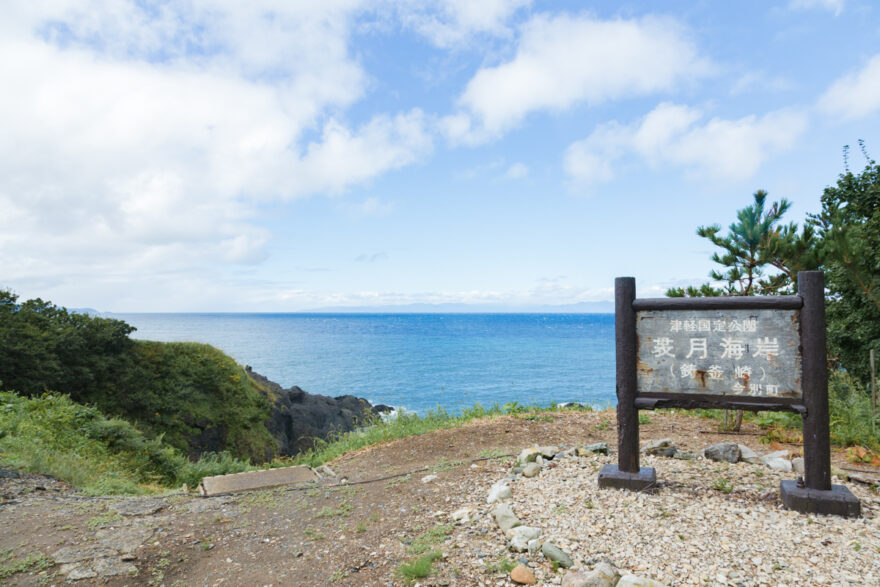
(761, 256)
(194, 396)
(427, 539)
(849, 416)
(500, 565)
(32, 562)
(723, 485)
(55, 436)
(420, 567)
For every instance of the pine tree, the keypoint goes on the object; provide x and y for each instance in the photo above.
(759, 256)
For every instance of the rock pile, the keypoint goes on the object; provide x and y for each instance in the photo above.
(560, 529)
(522, 538)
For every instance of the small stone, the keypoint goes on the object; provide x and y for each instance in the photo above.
(779, 454)
(748, 455)
(597, 448)
(554, 553)
(520, 537)
(534, 546)
(602, 575)
(684, 456)
(8, 473)
(661, 448)
(528, 455)
(429, 478)
(505, 517)
(531, 470)
(523, 575)
(727, 452)
(635, 581)
(798, 464)
(548, 452)
(461, 515)
(499, 492)
(778, 464)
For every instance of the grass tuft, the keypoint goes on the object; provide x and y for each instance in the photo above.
(420, 567)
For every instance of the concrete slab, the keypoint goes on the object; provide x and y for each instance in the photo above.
(220, 484)
(611, 477)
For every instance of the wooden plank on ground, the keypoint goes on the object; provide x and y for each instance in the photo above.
(220, 484)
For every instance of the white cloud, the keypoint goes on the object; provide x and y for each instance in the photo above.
(141, 140)
(564, 61)
(451, 23)
(855, 95)
(835, 6)
(675, 135)
(517, 171)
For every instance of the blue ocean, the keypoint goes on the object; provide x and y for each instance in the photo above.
(413, 361)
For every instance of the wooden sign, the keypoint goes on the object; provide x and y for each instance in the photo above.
(749, 353)
(720, 352)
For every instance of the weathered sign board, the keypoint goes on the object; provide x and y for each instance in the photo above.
(751, 353)
(734, 352)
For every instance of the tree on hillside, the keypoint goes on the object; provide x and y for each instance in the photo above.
(758, 257)
(849, 228)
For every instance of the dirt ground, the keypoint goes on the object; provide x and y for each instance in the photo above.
(353, 533)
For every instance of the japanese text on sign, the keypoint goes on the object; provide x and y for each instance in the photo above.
(721, 352)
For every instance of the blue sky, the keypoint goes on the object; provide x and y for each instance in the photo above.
(281, 156)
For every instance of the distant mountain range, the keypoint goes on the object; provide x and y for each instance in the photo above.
(454, 308)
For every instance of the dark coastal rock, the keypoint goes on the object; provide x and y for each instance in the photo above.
(298, 417)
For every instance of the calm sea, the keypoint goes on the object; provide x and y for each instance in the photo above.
(413, 361)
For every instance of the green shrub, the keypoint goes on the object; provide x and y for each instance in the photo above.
(54, 435)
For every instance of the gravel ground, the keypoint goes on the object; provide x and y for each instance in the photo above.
(688, 532)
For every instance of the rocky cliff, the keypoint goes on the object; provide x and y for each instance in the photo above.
(298, 417)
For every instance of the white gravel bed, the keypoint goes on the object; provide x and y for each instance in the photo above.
(688, 532)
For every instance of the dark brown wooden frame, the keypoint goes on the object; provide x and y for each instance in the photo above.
(815, 493)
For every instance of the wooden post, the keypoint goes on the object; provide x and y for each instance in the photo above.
(627, 415)
(816, 494)
(817, 447)
(626, 474)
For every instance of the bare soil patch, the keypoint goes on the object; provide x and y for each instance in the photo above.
(353, 533)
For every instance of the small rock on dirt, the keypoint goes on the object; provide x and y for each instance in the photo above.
(602, 575)
(505, 517)
(728, 452)
(531, 470)
(521, 536)
(748, 455)
(597, 448)
(499, 492)
(554, 553)
(523, 575)
(429, 478)
(798, 464)
(661, 448)
(778, 464)
(528, 455)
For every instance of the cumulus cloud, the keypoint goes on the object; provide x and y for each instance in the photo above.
(142, 139)
(855, 95)
(451, 23)
(566, 60)
(678, 135)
